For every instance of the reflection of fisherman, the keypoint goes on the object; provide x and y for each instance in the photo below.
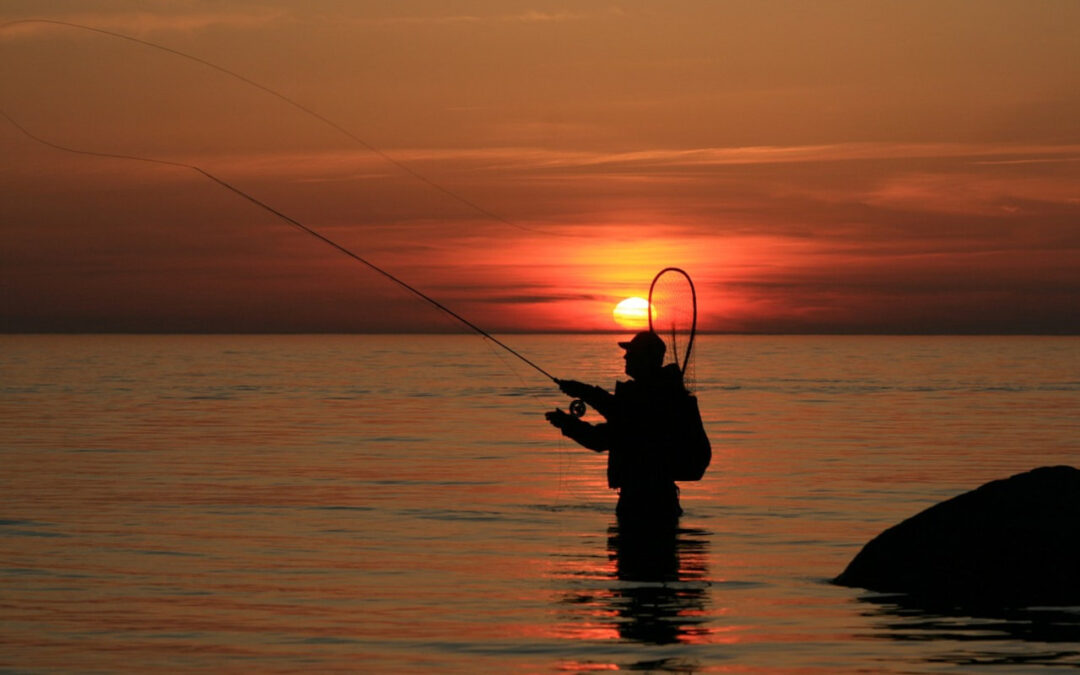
(651, 427)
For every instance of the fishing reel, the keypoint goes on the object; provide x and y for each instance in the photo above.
(577, 407)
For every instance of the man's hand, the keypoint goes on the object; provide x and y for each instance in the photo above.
(574, 389)
(558, 418)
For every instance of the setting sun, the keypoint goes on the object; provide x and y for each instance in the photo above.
(632, 313)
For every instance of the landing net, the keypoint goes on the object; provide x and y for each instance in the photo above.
(673, 316)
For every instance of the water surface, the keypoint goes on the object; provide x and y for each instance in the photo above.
(398, 504)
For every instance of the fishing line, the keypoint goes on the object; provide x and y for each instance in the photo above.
(288, 219)
(563, 485)
(295, 104)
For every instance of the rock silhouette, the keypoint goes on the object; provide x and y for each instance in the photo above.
(1010, 542)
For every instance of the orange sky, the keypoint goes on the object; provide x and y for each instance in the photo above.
(817, 167)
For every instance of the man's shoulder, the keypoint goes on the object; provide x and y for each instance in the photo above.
(668, 385)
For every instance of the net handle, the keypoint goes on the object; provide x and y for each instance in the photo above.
(693, 299)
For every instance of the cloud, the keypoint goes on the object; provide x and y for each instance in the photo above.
(501, 159)
(698, 157)
(534, 298)
(141, 22)
(974, 194)
(524, 17)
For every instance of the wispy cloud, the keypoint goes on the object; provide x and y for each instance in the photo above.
(808, 153)
(973, 194)
(142, 22)
(523, 158)
(525, 17)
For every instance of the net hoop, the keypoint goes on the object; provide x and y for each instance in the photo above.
(693, 322)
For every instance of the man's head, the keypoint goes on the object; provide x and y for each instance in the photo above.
(644, 353)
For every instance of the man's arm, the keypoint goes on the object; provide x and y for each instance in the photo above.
(599, 398)
(592, 436)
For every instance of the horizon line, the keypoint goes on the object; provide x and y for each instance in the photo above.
(1063, 333)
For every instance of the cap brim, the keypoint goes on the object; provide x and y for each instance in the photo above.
(624, 345)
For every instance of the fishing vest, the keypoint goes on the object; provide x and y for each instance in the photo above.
(657, 435)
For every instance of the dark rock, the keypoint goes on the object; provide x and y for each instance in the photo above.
(1011, 542)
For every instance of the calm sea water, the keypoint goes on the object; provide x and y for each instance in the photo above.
(396, 504)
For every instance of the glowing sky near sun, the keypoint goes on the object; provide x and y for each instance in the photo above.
(817, 167)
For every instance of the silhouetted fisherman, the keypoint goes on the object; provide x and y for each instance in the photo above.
(652, 431)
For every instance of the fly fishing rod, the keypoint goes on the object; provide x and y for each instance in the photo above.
(288, 219)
